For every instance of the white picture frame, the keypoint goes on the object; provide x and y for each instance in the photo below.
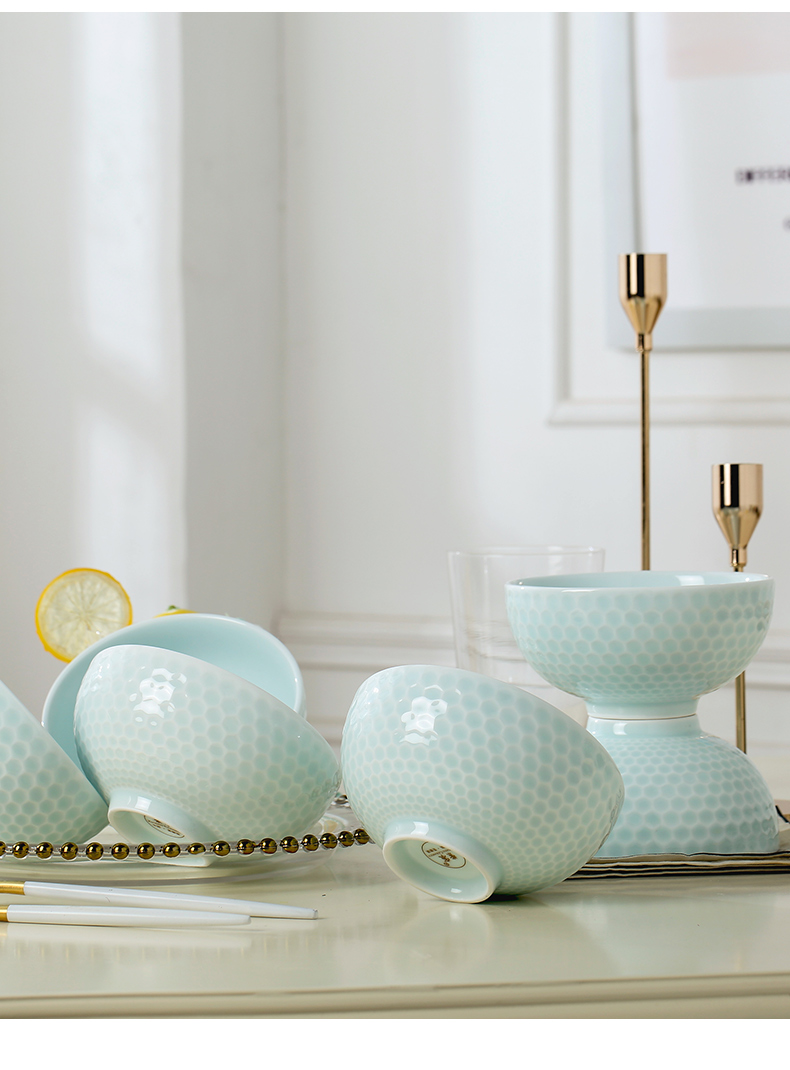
(734, 327)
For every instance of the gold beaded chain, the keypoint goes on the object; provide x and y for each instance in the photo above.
(118, 852)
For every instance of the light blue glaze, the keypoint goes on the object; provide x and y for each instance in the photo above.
(182, 749)
(686, 792)
(473, 786)
(242, 648)
(640, 639)
(641, 648)
(44, 796)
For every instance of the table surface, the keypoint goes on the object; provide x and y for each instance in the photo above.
(669, 947)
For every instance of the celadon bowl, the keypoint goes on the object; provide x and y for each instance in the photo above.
(244, 649)
(184, 750)
(640, 644)
(687, 792)
(641, 648)
(44, 796)
(472, 786)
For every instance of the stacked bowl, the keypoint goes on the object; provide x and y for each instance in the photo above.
(641, 648)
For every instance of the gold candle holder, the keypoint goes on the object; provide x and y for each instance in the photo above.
(643, 293)
(737, 506)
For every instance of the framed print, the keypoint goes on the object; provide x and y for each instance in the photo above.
(697, 165)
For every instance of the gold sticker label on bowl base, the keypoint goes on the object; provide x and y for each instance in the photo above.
(160, 826)
(443, 856)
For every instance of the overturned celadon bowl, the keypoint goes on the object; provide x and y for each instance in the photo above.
(183, 750)
(472, 786)
(44, 796)
(641, 648)
(245, 649)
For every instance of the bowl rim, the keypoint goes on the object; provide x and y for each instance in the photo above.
(710, 581)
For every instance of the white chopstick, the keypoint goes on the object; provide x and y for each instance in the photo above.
(139, 897)
(38, 914)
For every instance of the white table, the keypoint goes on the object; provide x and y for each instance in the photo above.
(669, 948)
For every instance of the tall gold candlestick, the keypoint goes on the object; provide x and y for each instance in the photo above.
(643, 293)
(737, 506)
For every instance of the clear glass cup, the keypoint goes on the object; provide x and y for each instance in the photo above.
(483, 640)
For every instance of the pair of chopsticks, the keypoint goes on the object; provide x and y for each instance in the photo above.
(132, 906)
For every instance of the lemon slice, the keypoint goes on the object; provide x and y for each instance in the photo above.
(172, 611)
(79, 607)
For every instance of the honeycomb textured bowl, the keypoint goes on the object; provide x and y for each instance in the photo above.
(473, 786)
(686, 792)
(180, 747)
(242, 648)
(640, 638)
(43, 795)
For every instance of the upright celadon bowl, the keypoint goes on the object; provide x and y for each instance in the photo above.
(183, 750)
(244, 649)
(44, 796)
(641, 648)
(640, 644)
(472, 786)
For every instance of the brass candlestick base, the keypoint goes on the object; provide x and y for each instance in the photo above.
(737, 506)
(643, 293)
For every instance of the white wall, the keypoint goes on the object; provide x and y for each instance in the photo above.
(310, 300)
(449, 380)
(232, 310)
(92, 398)
(139, 218)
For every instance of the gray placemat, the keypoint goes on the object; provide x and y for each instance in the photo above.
(674, 865)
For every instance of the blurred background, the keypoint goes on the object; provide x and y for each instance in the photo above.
(293, 304)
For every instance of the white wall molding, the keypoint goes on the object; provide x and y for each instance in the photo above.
(343, 642)
(771, 665)
(347, 642)
(618, 412)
